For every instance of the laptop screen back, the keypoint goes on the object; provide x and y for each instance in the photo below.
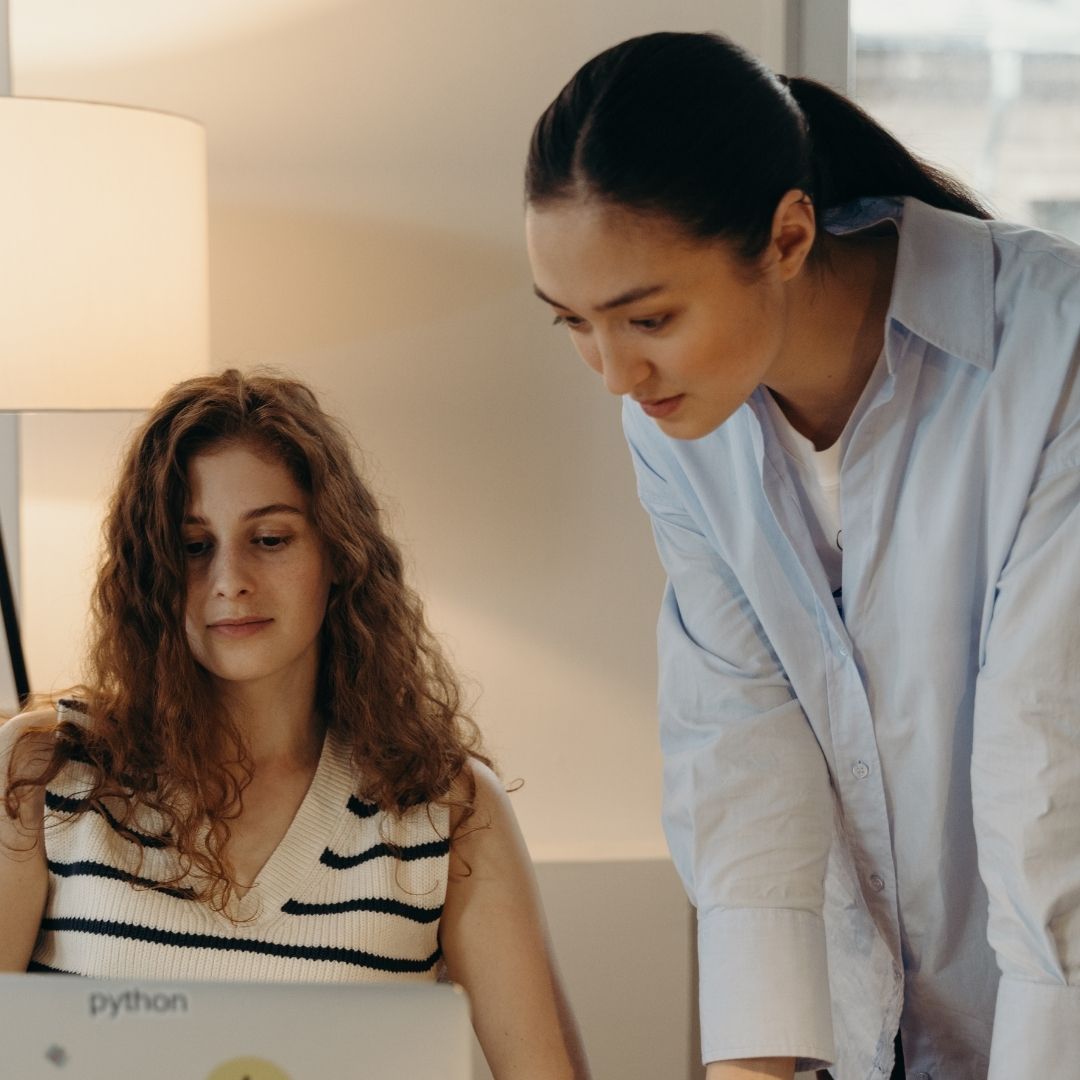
(69, 1028)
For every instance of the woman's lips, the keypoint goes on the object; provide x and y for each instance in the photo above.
(662, 407)
(240, 628)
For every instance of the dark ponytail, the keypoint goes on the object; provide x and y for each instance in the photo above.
(694, 127)
(853, 156)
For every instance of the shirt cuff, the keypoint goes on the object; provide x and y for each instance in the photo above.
(764, 986)
(1036, 1029)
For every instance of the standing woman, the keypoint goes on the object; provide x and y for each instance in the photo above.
(269, 776)
(853, 407)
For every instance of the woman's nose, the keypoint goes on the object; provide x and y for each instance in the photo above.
(620, 364)
(231, 574)
(623, 366)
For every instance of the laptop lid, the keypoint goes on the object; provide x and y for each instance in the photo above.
(64, 1027)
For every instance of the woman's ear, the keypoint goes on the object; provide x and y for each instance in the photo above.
(793, 230)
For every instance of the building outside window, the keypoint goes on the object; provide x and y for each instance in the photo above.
(988, 89)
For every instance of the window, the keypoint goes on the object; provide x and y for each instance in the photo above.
(988, 89)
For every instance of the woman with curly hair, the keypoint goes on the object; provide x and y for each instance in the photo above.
(268, 774)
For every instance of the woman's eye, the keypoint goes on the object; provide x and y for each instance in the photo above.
(194, 548)
(571, 322)
(654, 323)
(271, 543)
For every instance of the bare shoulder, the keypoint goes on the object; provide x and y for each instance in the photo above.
(26, 743)
(479, 785)
(486, 840)
(489, 786)
(24, 874)
(37, 725)
(43, 720)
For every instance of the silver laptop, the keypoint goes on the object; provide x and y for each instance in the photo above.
(62, 1027)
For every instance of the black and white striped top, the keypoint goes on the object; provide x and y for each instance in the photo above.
(334, 903)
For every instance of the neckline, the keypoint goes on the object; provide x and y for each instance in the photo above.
(305, 839)
(822, 466)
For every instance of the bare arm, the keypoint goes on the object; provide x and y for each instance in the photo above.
(495, 941)
(752, 1069)
(24, 876)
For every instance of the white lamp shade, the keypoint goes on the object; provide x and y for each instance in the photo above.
(104, 297)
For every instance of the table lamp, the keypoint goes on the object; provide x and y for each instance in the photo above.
(104, 296)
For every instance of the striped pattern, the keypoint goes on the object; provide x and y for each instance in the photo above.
(386, 907)
(361, 809)
(180, 940)
(73, 804)
(350, 894)
(432, 850)
(103, 870)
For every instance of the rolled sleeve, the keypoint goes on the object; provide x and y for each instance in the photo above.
(1036, 1029)
(770, 990)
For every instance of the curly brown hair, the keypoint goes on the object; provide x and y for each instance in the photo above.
(156, 738)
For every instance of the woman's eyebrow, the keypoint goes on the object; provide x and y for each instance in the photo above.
(258, 512)
(273, 508)
(628, 297)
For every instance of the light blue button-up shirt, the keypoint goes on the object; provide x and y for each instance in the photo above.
(877, 815)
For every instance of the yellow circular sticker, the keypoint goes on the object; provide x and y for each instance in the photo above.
(248, 1068)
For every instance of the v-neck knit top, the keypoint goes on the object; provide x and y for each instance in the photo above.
(351, 894)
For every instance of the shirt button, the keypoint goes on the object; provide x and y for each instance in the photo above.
(920, 1076)
(843, 652)
(860, 770)
(876, 883)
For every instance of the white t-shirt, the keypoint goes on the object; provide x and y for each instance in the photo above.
(817, 481)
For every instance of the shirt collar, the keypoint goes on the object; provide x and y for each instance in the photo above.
(943, 290)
